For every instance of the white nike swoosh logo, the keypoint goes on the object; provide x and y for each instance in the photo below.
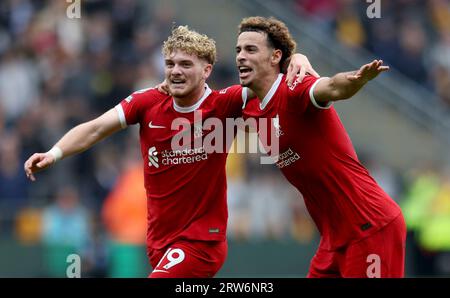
(155, 126)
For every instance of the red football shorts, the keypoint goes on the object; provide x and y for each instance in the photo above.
(188, 259)
(379, 255)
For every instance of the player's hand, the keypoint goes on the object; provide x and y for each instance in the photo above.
(37, 162)
(368, 72)
(298, 67)
(163, 87)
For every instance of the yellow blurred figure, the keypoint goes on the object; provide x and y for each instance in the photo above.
(28, 226)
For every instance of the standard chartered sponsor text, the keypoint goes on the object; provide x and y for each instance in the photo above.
(185, 156)
(286, 158)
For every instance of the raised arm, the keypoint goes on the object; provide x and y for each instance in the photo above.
(78, 139)
(344, 85)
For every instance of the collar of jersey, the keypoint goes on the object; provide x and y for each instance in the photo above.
(194, 106)
(271, 92)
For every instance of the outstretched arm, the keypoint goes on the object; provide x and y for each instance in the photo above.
(344, 85)
(78, 139)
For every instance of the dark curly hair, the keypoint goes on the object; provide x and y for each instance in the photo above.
(278, 35)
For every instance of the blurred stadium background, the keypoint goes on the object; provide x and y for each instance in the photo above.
(56, 72)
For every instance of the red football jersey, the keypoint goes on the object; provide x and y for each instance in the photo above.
(186, 188)
(316, 156)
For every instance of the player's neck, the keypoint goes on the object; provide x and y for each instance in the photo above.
(191, 98)
(263, 86)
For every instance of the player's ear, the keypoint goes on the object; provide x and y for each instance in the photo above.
(276, 56)
(207, 69)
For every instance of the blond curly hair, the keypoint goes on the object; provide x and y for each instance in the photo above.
(192, 43)
(278, 34)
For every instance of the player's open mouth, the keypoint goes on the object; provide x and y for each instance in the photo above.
(244, 71)
(177, 82)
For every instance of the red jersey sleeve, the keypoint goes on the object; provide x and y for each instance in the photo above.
(131, 108)
(302, 94)
(234, 101)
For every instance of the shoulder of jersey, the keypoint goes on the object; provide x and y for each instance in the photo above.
(147, 94)
(296, 84)
(221, 94)
(227, 90)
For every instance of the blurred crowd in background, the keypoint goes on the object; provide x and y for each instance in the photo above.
(56, 73)
(412, 36)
